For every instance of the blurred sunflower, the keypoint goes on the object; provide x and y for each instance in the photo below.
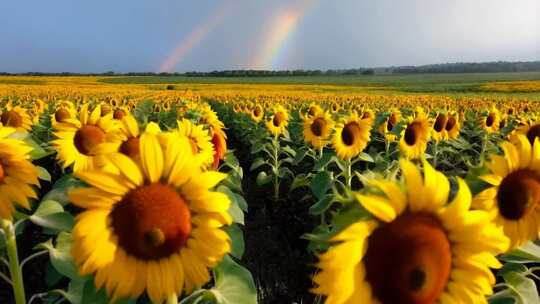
(217, 135)
(351, 136)
(452, 125)
(415, 137)
(77, 140)
(313, 110)
(418, 249)
(531, 131)
(388, 125)
(64, 111)
(514, 195)
(279, 121)
(199, 139)
(16, 117)
(177, 235)
(439, 127)
(491, 122)
(17, 173)
(257, 113)
(317, 129)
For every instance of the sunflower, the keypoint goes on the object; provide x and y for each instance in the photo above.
(417, 249)
(200, 140)
(514, 195)
(17, 173)
(313, 110)
(351, 136)
(16, 117)
(491, 122)
(77, 140)
(453, 126)
(279, 121)
(257, 113)
(415, 137)
(63, 113)
(388, 125)
(531, 131)
(177, 235)
(317, 129)
(438, 130)
(334, 107)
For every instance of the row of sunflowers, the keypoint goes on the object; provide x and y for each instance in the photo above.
(131, 200)
(417, 199)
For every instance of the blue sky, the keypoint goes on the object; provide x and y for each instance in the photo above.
(139, 35)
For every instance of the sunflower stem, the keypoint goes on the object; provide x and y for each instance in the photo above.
(348, 176)
(276, 168)
(14, 268)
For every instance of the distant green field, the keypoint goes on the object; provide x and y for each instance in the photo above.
(451, 84)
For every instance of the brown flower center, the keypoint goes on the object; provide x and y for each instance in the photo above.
(87, 138)
(519, 194)
(412, 133)
(440, 123)
(409, 260)
(450, 123)
(490, 120)
(349, 133)
(279, 118)
(152, 222)
(61, 115)
(11, 119)
(392, 122)
(257, 111)
(119, 114)
(318, 126)
(130, 147)
(534, 132)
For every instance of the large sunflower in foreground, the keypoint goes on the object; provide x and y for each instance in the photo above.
(415, 137)
(351, 136)
(279, 121)
(317, 129)
(78, 139)
(17, 173)
(152, 226)
(514, 195)
(418, 249)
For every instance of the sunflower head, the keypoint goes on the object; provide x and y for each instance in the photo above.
(415, 137)
(317, 129)
(439, 127)
(513, 196)
(351, 136)
(17, 174)
(16, 117)
(279, 121)
(177, 236)
(417, 247)
(491, 121)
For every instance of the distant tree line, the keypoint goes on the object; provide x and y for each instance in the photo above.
(459, 67)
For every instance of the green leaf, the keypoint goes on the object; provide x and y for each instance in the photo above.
(365, 157)
(323, 161)
(320, 183)
(236, 213)
(525, 287)
(60, 255)
(301, 180)
(61, 187)
(289, 150)
(50, 214)
(300, 155)
(237, 239)
(322, 205)
(262, 179)
(43, 174)
(233, 284)
(257, 163)
(235, 209)
(92, 296)
(528, 253)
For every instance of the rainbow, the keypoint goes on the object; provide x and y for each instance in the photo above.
(277, 35)
(193, 39)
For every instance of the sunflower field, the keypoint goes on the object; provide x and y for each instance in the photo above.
(143, 194)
